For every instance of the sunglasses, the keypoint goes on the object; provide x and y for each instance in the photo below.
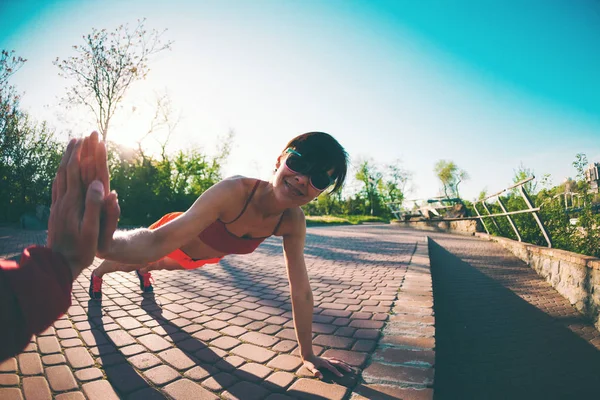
(320, 180)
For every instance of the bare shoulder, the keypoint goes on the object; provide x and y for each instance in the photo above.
(294, 222)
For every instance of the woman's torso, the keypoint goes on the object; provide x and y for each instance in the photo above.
(244, 223)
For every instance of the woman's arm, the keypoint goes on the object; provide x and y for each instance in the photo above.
(143, 245)
(302, 298)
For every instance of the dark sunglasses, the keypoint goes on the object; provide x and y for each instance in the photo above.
(320, 180)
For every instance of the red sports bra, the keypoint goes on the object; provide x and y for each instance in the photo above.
(219, 238)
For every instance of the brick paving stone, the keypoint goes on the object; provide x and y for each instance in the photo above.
(278, 381)
(278, 396)
(371, 334)
(364, 345)
(216, 325)
(177, 359)
(366, 324)
(191, 345)
(270, 329)
(30, 364)
(70, 396)
(62, 324)
(312, 388)
(388, 392)
(206, 335)
(184, 389)
(254, 353)
(144, 361)
(88, 374)
(9, 365)
(48, 345)
(124, 378)
(36, 388)
(245, 391)
(333, 341)
(99, 390)
(259, 339)
(48, 332)
(132, 350)
(285, 346)
(288, 334)
(201, 372)
(404, 356)
(154, 342)
(61, 378)
(210, 355)
(409, 341)
(10, 394)
(394, 374)
(254, 315)
(161, 375)
(66, 333)
(93, 337)
(252, 372)
(354, 358)
(219, 381)
(78, 357)
(76, 342)
(148, 393)
(285, 362)
(230, 363)
(234, 331)
(225, 342)
(9, 380)
(128, 323)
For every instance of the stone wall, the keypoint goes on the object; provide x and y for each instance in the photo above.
(575, 276)
(470, 226)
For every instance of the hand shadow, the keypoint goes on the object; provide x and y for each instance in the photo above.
(122, 376)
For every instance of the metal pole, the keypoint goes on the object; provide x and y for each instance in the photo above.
(493, 219)
(536, 216)
(481, 219)
(509, 219)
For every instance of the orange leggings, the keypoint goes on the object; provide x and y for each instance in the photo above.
(178, 255)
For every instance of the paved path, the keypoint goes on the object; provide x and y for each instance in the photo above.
(226, 330)
(502, 332)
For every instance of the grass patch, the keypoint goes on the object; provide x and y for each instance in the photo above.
(317, 220)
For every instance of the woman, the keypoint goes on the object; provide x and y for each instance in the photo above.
(234, 217)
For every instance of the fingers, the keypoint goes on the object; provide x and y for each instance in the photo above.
(313, 370)
(91, 159)
(110, 219)
(101, 168)
(333, 369)
(73, 176)
(91, 217)
(61, 178)
(341, 364)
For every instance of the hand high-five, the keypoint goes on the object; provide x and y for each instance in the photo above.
(75, 227)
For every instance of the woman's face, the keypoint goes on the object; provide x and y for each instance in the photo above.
(291, 187)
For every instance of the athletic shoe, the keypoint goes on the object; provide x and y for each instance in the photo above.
(95, 287)
(145, 281)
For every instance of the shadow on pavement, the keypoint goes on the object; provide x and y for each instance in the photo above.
(492, 344)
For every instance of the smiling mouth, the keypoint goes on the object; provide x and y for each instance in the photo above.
(294, 190)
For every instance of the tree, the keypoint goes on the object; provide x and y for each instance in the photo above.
(105, 67)
(450, 175)
(29, 154)
(371, 178)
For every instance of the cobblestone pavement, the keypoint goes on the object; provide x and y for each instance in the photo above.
(225, 331)
(502, 332)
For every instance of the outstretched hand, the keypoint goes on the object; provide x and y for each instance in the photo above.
(94, 167)
(82, 218)
(315, 362)
(74, 223)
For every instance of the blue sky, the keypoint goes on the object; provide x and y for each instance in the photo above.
(489, 85)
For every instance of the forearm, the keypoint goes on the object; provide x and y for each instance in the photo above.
(33, 294)
(302, 309)
(133, 247)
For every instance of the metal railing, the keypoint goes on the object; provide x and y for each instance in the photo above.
(530, 209)
(419, 211)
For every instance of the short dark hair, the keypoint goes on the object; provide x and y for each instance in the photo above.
(324, 152)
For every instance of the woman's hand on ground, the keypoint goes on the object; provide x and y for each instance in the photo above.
(313, 364)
